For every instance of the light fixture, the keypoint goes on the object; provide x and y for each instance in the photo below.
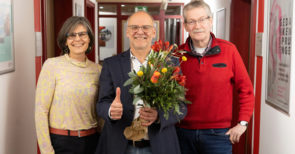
(122, 5)
(101, 7)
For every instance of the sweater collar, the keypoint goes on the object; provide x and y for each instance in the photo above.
(187, 46)
(76, 62)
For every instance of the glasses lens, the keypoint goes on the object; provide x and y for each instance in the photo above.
(146, 28)
(191, 22)
(71, 36)
(134, 28)
(82, 35)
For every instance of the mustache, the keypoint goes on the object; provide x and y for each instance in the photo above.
(198, 30)
(140, 35)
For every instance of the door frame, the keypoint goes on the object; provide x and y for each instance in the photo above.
(161, 17)
(244, 36)
(90, 5)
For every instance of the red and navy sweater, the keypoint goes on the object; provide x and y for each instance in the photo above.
(210, 81)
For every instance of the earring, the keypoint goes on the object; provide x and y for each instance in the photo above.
(89, 48)
(66, 50)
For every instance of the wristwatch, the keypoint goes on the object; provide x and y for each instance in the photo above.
(243, 123)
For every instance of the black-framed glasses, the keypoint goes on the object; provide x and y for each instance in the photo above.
(72, 36)
(135, 28)
(200, 21)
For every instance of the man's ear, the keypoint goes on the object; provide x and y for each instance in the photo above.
(211, 22)
(127, 32)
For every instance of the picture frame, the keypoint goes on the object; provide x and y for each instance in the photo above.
(107, 46)
(220, 23)
(278, 55)
(78, 10)
(125, 39)
(7, 62)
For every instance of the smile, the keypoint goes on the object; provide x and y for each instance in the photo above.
(140, 38)
(78, 45)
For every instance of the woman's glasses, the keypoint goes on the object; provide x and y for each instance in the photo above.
(72, 36)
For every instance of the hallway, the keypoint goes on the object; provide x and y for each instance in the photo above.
(260, 29)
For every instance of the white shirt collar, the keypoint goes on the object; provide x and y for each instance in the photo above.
(133, 57)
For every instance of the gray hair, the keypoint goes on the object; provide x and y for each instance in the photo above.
(68, 27)
(196, 4)
(144, 12)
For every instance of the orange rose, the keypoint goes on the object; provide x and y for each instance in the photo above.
(155, 77)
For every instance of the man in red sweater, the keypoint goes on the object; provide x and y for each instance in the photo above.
(212, 68)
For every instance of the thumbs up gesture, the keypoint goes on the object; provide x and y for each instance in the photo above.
(116, 110)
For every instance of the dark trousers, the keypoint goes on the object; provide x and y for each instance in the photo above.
(204, 141)
(73, 144)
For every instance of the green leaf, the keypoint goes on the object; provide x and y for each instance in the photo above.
(138, 89)
(152, 67)
(136, 99)
(128, 82)
(187, 102)
(132, 74)
(175, 57)
(166, 115)
(131, 90)
(182, 52)
(148, 105)
(148, 66)
(142, 68)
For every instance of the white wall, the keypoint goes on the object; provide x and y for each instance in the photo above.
(216, 5)
(277, 135)
(17, 89)
(79, 2)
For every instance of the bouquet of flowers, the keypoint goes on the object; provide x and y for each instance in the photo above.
(158, 84)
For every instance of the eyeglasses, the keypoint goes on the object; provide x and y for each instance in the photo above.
(135, 28)
(200, 21)
(72, 36)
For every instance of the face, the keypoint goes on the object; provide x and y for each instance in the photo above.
(199, 32)
(78, 45)
(140, 40)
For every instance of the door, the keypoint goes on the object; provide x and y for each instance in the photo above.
(240, 17)
(62, 11)
(90, 15)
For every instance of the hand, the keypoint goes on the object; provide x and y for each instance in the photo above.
(235, 133)
(148, 114)
(116, 110)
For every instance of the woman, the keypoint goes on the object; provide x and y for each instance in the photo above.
(67, 93)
